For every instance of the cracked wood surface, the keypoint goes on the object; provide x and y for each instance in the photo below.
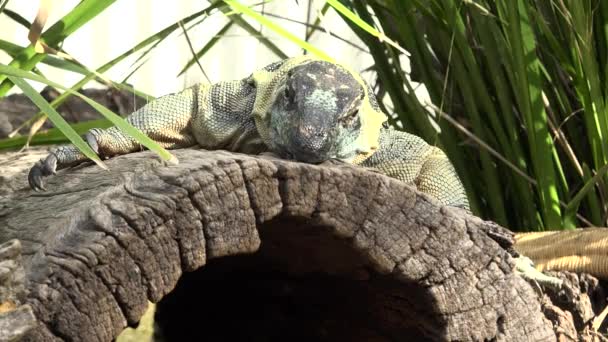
(98, 244)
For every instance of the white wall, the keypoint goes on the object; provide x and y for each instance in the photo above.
(127, 22)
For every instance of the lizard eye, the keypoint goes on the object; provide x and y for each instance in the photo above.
(350, 118)
(289, 93)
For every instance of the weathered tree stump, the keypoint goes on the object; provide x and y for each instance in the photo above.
(282, 249)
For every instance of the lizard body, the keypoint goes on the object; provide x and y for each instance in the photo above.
(300, 108)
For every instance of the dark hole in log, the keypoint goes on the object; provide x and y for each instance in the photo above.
(303, 284)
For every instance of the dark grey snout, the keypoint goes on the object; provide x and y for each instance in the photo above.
(310, 144)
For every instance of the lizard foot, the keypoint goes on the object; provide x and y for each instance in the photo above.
(525, 268)
(44, 167)
(59, 158)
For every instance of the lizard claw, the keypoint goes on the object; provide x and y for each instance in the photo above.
(92, 141)
(44, 167)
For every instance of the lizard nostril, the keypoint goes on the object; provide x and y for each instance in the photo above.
(310, 139)
(309, 132)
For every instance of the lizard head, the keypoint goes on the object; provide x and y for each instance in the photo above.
(316, 114)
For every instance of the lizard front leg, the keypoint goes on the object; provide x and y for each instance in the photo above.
(439, 179)
(410, 159)
(166, 120)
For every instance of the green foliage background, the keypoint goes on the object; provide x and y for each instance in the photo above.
(517, 90)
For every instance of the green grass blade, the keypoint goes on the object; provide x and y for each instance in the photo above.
(584, 191)
(14, 49)
(529, 95)
(53, 135)
(3, 6)
(315, 25)
(251, 30)
(340, 8)
(57, 119)
(216, 37)
(156, 37)
(240, 8)
(78, 16)
(112, 117)
(354, 18)
(593, 200)
(16, 17)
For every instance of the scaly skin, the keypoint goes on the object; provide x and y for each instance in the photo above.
(301, 108)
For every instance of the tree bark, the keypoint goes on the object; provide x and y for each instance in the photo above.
(97, 245)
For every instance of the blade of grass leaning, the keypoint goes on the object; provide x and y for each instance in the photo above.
(16, 17)
(158, 36)
(589, 185)
(251, 30)
(364, 25)
(240, 8)
(56, 118)
(149, 40)
(34, 128)
(307, 25)
(67, 65)
(14, 49)
(316, 24)
(3, 6)
(41, 47)
(53, 135)
(82, 13)
(115, 119)
(593, 202)
(216, 4)
(216, 37)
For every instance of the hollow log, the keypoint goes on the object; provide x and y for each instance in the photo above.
(261, 248)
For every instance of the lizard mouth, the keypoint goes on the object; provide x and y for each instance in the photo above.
(309, 155)
(301, 156)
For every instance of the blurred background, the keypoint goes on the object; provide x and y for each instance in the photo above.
(235, 56)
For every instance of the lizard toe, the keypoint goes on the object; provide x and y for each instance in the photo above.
(35, 176)
(50, 165)
(44, 167)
